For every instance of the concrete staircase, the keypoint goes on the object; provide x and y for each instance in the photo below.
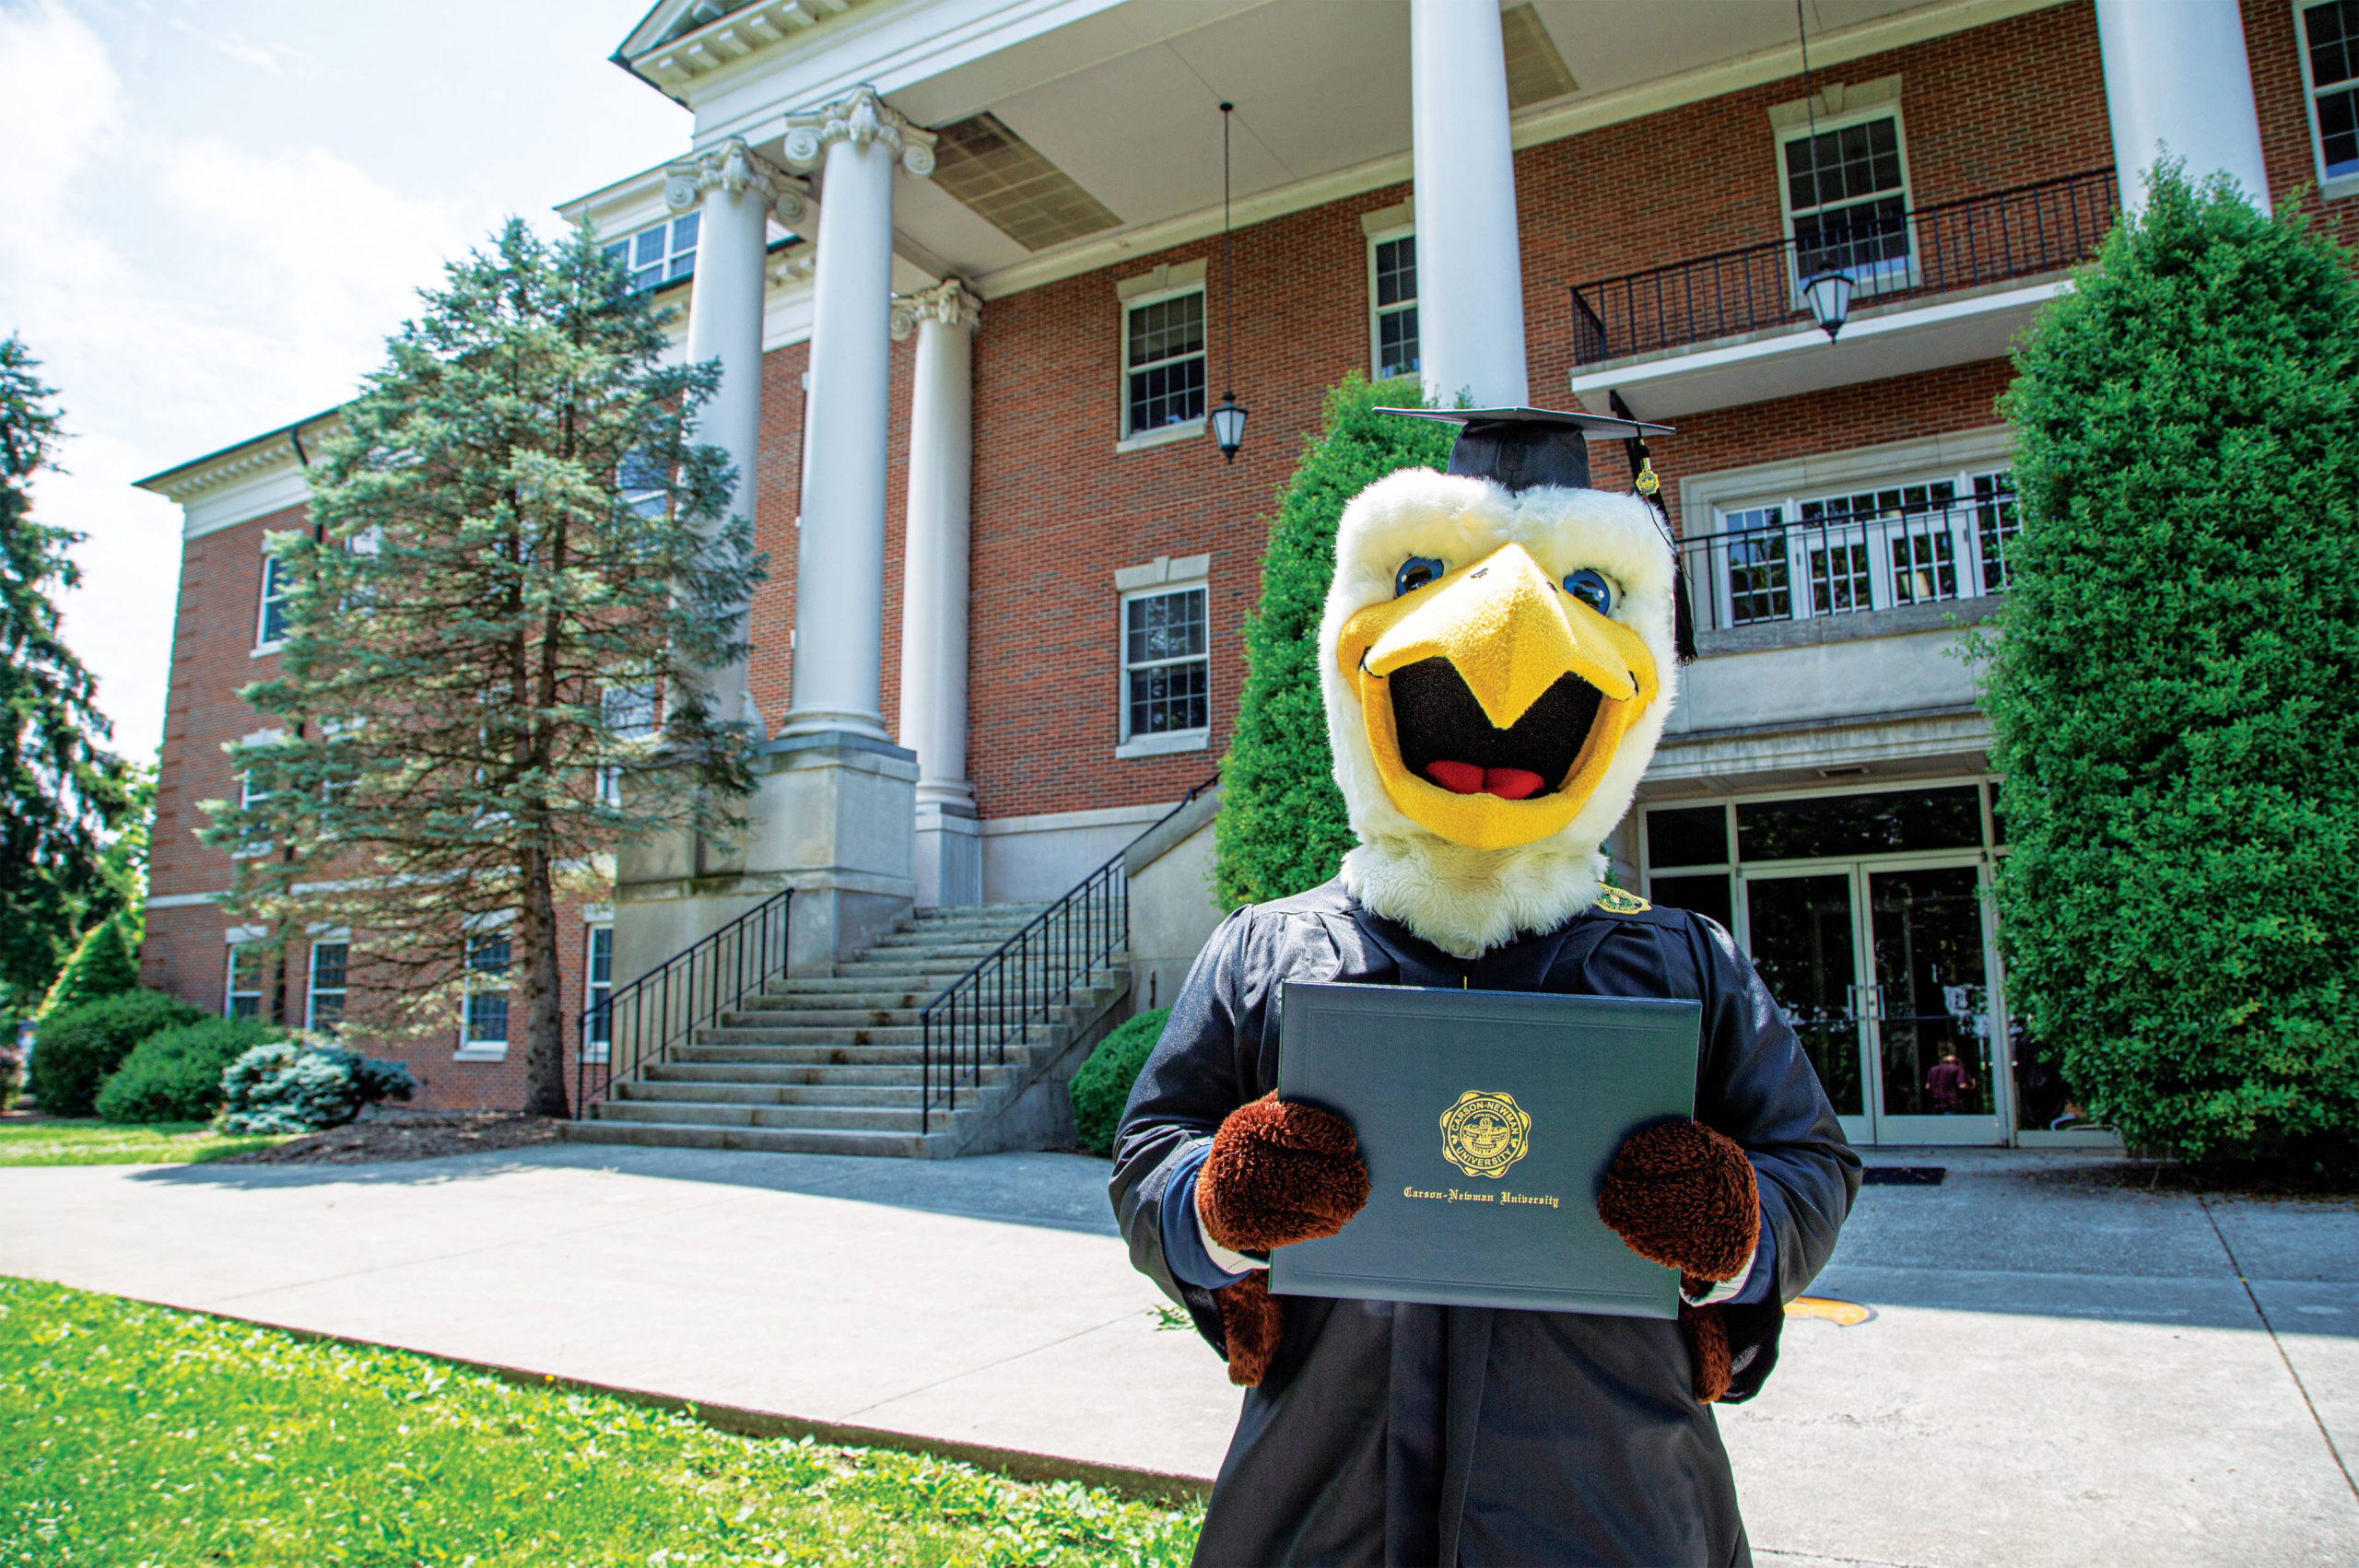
(831, 1064)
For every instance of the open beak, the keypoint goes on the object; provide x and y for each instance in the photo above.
(1493, 700)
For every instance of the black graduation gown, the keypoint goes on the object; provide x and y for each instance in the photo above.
(1391, 1432)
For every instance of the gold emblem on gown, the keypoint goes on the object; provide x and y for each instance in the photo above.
(1484, 1133)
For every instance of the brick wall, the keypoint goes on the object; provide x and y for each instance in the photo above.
(2282, 100)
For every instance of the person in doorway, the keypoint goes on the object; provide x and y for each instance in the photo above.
(1498, 655)
(1948, 1084)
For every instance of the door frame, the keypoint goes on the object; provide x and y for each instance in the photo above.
(1858, 1129)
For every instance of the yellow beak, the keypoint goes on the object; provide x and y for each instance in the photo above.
(1511, 633)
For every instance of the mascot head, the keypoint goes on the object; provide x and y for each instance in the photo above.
(1501, 650)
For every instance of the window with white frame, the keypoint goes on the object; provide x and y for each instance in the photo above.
(1845, 193)
(1167, 666)
(242, 995)
(270, 623)
(657, 255)
(646, 487)
(597, 1017)
(486, 1027)
(630, 715)
(1870, 548)
(2331, 72)
(1163, 362)
(323, 995)
(1392, 302)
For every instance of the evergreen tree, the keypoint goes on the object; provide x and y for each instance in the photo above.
(2174, 690)
(60, 790)
(1283, 826)
(517, 560)
(103, 963)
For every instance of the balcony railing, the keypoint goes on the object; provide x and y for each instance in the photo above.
(1845, 565)
(2007, 234)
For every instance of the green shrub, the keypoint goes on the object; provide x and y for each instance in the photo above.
(297, 1086)
(2172, 691)
(101, 966)
(1283, 826)
(1102, 1087)
(12, 1065)
(75, 1049)
(176, 1075)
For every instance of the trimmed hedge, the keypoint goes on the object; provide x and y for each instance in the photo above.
(1102, 1087)
(176, 1075)
(1283, 826)
(102, 965)
(2174, 691)
(75, 1049)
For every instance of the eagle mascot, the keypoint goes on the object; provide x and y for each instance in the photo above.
(1499, 651)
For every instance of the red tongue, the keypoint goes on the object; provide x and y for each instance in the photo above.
(1465, 778)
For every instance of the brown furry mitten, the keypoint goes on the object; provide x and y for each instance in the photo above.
(1708, 1349)
(1252, 1320)
(1280, 1173)
(1683, 1195)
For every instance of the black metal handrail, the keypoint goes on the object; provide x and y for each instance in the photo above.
(1027, 977)
(639, 1024)
(2013, 233)
(1847, 565)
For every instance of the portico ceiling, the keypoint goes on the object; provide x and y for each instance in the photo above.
(1122, 95)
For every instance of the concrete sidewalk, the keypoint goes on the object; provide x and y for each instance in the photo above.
(2059, 1370)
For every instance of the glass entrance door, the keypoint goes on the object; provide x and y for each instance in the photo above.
(1803, 931)
(1936, 1071)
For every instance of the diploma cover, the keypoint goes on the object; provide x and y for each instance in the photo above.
(1487, 1119)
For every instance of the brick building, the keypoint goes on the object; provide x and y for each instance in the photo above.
(962, 264)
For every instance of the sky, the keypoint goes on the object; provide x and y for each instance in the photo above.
(217, 211)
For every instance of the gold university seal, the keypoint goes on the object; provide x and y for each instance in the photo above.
(1484, 1133)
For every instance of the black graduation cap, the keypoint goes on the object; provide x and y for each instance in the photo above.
(1519, 448)
(1523, 447)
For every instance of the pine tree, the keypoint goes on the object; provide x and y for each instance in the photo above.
(1283, 826)
(517, 560)
(103, 963)
(60, 790)
(2174, 691)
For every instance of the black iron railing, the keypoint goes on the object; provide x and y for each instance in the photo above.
(642, 1024)
(1890, 255)
(1028, 978)
(1842, 564)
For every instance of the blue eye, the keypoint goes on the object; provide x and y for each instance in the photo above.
(1592, 589)
(1415, 573)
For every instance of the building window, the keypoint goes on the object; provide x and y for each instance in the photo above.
(646, 487)
(487, 1018)
(270, 628)
(1166, 673)
(243, 997)
(1874, 548)
(657, 255)
(1847, 203)
(630, 715)
(323, 997)
(1163, 362)
(597, 1018)
(1392, 302)
(2331, 58)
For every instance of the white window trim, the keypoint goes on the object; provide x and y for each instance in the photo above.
(311, 972)
(264, 646)
(590, 931)
(1161, 435)
(229, 993)
(1164, 574)
(1377, 237)
(494, 924)
(1788, 134)
(2330, 188)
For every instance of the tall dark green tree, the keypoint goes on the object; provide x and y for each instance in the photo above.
(517, 560)
(1283, 826)
(61, 790)
(2174, 691)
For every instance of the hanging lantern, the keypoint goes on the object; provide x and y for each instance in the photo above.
(1828, 295)
(1229, 419)
(1228, 425)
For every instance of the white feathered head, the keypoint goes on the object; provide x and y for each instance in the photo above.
(1499, 659)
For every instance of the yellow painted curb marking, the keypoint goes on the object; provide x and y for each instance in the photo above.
(1842, 1314)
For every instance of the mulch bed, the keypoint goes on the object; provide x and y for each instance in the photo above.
(429, 1135)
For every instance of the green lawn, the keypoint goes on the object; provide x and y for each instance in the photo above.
(150, 1438)
(100, 1143)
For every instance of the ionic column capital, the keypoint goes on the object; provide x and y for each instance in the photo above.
(859, 117)
(734, 166)
(949, 302)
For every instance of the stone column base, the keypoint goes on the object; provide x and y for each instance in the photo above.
(949, 856)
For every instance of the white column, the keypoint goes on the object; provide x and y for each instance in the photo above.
(839, 570)
(1470, 265)
(2177, 81)
(734, 192)
(934, 588)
